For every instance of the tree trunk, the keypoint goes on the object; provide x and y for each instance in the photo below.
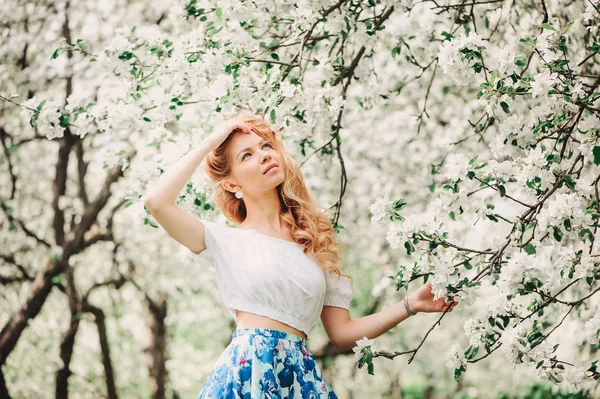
(157, 312)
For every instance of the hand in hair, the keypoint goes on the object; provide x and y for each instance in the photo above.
(224, 129)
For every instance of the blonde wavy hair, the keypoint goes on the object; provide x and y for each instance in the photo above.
(309, 226)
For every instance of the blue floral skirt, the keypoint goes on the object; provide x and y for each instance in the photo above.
(261, 363)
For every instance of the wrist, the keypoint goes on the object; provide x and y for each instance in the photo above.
(411, 306)
(211, 144)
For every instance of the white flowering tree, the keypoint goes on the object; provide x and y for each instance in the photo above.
(493, 160)
(538, 163)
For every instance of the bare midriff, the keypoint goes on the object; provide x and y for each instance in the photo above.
(251, 320)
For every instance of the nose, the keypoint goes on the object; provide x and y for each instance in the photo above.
(266, 156)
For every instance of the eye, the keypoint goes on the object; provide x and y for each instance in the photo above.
(244, 156)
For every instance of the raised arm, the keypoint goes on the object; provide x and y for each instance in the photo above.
(160, 200)
(171, 182)
(184, 227)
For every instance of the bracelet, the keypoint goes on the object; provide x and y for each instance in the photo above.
(406, 306)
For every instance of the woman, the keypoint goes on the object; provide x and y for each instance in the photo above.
(278, 270)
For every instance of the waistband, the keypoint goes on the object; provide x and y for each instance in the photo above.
(267, 332)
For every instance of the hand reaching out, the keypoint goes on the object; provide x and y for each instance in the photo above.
(422, 301)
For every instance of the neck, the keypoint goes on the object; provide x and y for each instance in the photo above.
(263, 212)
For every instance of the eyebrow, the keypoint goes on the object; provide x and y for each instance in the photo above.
(248, 148)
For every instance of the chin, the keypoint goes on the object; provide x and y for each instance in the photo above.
(280, 180)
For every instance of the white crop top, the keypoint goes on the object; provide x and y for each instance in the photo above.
(271, 277)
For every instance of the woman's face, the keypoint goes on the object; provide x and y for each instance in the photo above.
(250, 155)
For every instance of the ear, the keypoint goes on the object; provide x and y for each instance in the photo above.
(227, 185)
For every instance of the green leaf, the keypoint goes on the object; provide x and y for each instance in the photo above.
(548, 26)
(361, 362)
(59, 278)
(539, 364)
(558, 234)
(40, 105)
(596, 152)
(492, 218)
(471, 352)
(457, 373)
(529, 248)
(371, 368)
(502, 190)
(398, 205)
(505, 107)
(409, 247)
(63, 120)
(570, 181)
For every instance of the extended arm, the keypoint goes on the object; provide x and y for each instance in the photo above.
(344, 332)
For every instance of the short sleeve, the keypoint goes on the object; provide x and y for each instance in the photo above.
(212, 237)
(338, 292)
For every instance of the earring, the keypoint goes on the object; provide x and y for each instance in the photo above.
(238, 194)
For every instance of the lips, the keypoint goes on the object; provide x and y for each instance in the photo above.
(273, 165)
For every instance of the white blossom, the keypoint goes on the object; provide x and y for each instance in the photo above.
(592, 327)
(503, 60)
(475, 329)
(394, 234)
(574, 376)
(589, 122)
(453, 63)
(78, 99)
(455, 357)
(513, 272)
(513, 343)
(456, 166)
(378, 208)
(543, 82)
(48, 121)
(561, 207)
(361, 345)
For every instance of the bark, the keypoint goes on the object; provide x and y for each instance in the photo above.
(16, 324)
(68, 341)
(42, 284)
(3, 389)
(66, 353)
(106, 362)
(157, 312)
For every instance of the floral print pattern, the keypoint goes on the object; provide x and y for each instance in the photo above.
(261, 363)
